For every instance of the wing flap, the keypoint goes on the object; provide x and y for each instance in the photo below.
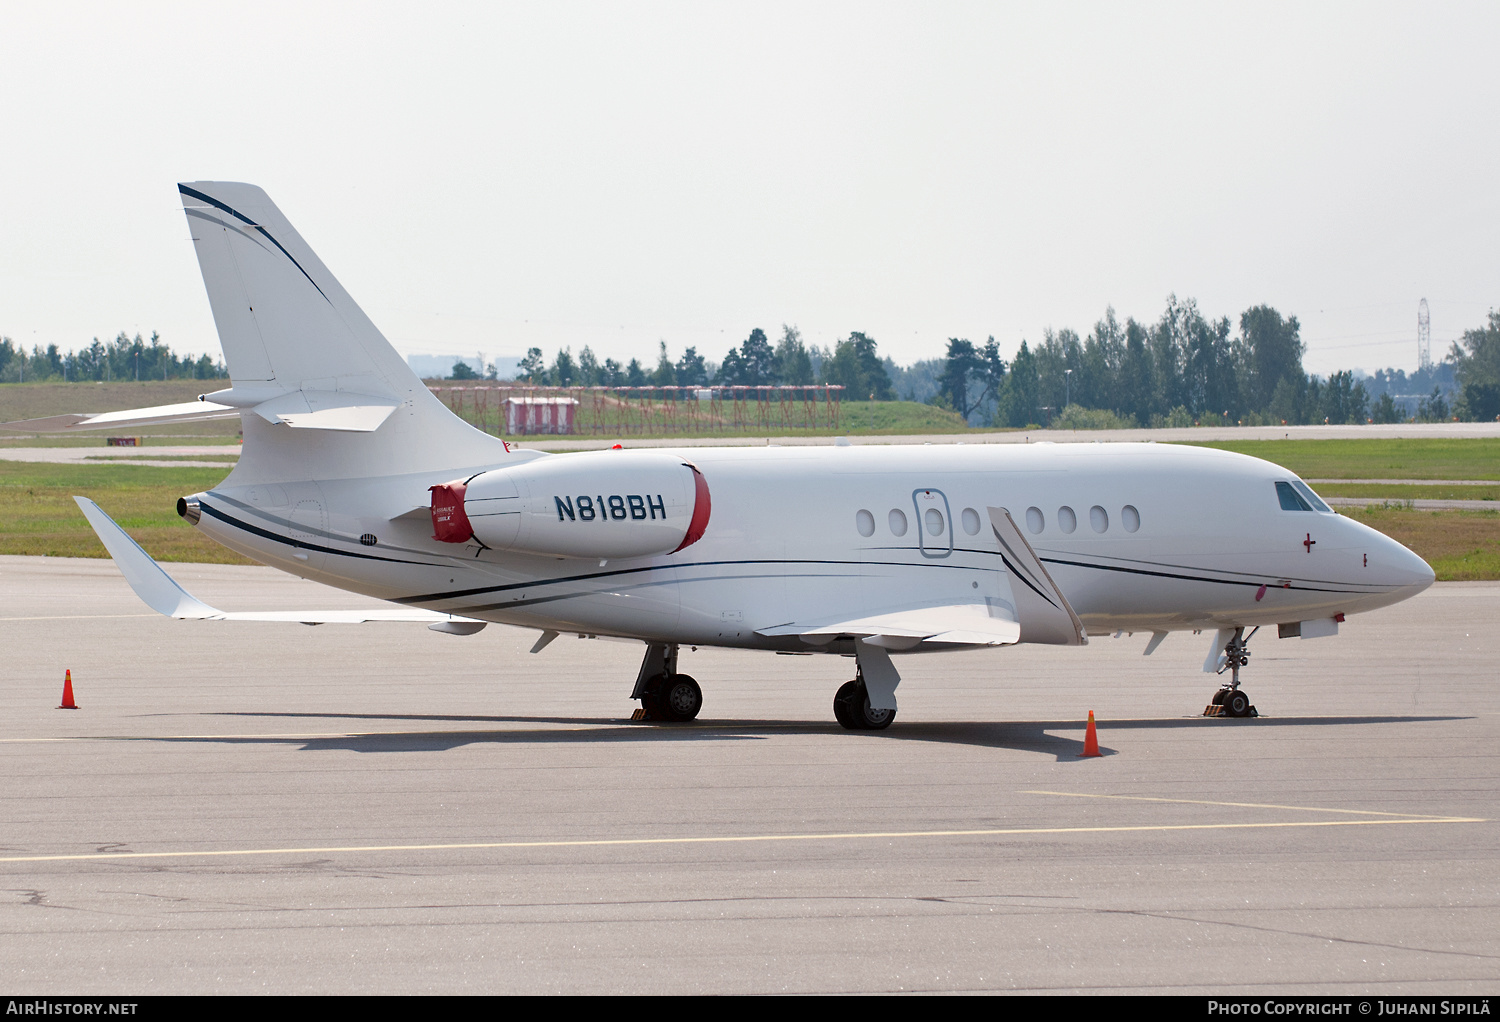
(954, 624)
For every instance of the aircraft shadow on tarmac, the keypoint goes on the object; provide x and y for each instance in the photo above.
(1023, 736)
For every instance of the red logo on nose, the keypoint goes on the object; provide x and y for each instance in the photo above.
(1309, 542)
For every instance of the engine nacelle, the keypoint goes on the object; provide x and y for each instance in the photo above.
(601, 504)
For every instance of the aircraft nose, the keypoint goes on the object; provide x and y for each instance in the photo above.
(1399, 566)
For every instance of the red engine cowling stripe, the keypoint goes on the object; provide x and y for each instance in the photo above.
(702, 507)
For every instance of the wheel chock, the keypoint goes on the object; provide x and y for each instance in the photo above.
(1215, 710)
(639, 714)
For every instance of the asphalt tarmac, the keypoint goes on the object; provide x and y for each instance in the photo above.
(244, 807)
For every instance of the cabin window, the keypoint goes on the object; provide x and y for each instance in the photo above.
(865, 523)
(971, 521)
(1098, 519)
(1067, 521)
(934, 520)
(1290, 499)
(1130, 518)
(1035, 520)
(897, 521)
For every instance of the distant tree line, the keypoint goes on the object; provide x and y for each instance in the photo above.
(852, 363)
(124, 358)
(1184, 369)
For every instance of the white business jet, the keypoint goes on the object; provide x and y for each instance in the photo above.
(353, 474)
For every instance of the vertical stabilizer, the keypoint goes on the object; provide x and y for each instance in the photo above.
(323, 392)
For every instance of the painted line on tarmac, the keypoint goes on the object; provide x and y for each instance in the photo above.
(732, 839)
(1408, 817)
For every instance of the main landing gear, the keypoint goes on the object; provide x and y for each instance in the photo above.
(852, 707)
(665, 695)
(1230, 701)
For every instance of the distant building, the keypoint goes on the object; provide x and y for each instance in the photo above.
(440, 367)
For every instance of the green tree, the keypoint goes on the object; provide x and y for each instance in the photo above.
(1344, 400)
(754, 364)
(532, 368)
(691, 370)
(1019, 399)
(793, 361)
(1476, 367)
(1275, 352)
(590, 373)
(665, 374)
(856, 366)
(1385, 410)
(635, 375)
(563, 370)
(963, 368)
(462, 371)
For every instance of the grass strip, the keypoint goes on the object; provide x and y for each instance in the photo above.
(38, 516)
(1377, 458)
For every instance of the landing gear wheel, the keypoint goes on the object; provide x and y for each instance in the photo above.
(852, 708)
(1236, 704)
(843, 704)
(677, 697)
(1218, 699)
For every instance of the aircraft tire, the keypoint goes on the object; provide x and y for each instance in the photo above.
(843, 704)
(678, 698)
(852, 708)
(1236, 704)
(871, 719)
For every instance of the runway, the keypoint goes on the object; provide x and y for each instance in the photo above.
(241, 808)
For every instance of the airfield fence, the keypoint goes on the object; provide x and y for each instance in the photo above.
(647, 411)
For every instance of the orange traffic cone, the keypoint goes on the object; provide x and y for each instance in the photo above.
(1091, 740)
(67, 703)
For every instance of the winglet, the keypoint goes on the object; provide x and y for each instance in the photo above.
(1046, 616)
(154, 586)
(163, 595)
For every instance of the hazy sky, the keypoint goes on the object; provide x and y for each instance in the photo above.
(492, 177)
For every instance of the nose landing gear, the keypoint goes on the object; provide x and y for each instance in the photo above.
(1230, 701)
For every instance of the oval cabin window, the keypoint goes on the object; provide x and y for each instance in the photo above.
(1067, 521)
(865, 523)
(897, 522)
(971, 521)
(1099, 519)
(1130, 517)
(934, 521)
(1035, 520)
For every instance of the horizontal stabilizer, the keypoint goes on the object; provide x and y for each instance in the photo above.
(161, 593)
(186, 411)
(1046, 616)
(957, 624)
(321, 409)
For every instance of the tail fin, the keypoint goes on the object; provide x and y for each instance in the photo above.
(332, 398)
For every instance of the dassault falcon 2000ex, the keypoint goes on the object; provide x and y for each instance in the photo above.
(353, 474)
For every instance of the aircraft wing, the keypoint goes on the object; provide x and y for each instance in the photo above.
(186, 411)
(161, 593)
(957, 624)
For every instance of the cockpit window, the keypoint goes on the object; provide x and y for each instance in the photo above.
(1311, 497)
(1298, 496)
(1290, 499)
